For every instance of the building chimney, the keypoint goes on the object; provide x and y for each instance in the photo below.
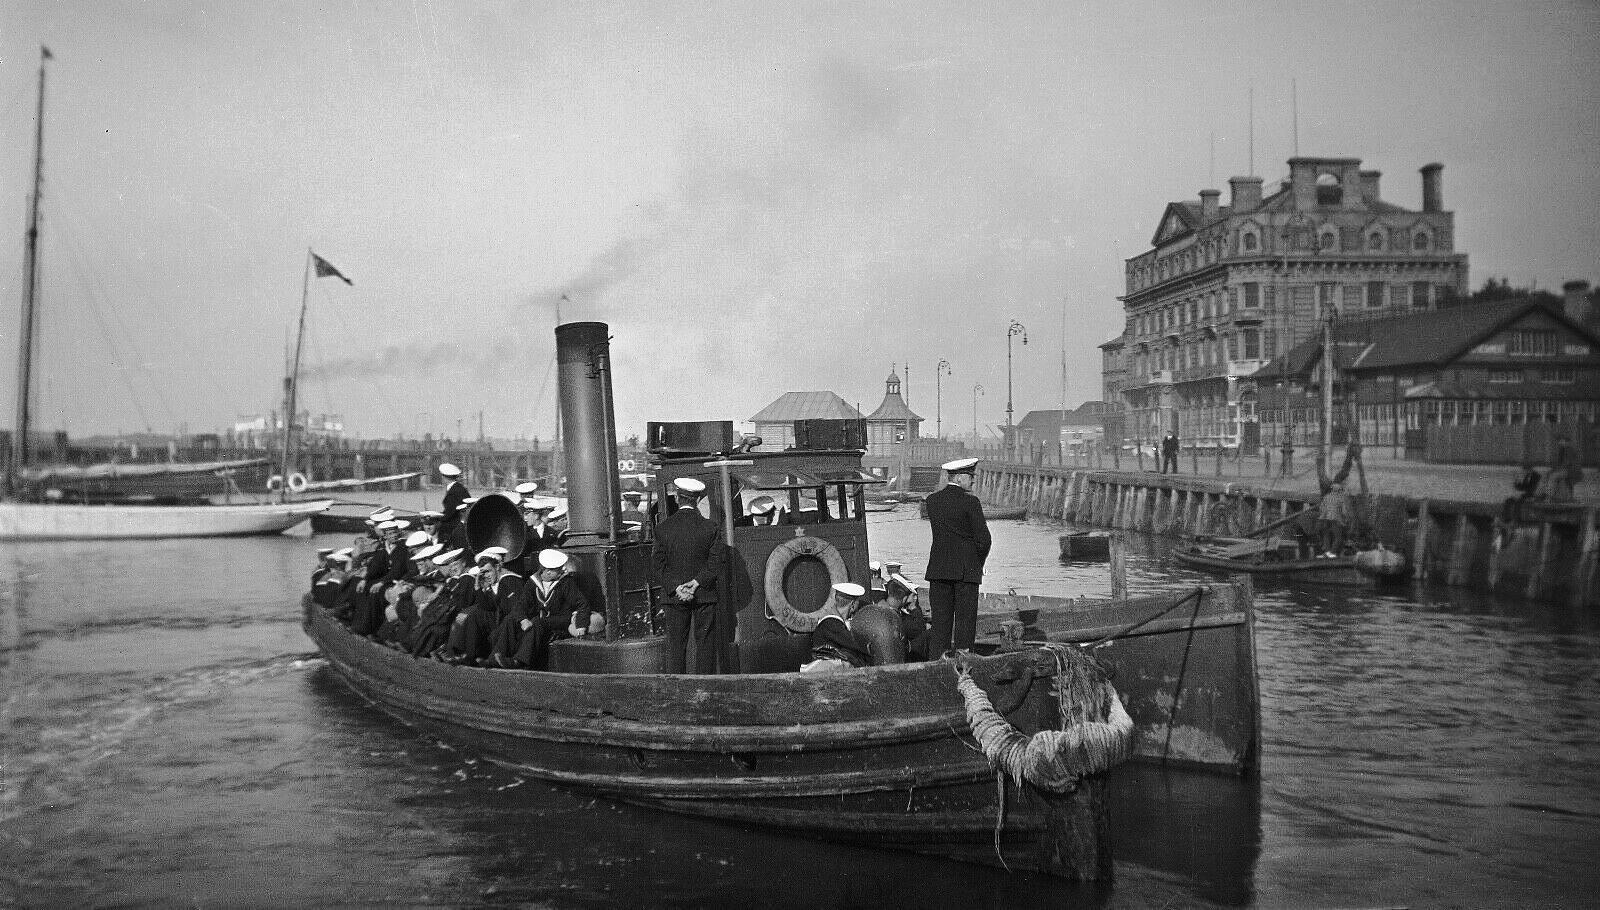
(1575, 300)
(1246, 193)
(1432, 187)
(1208, 204)
(1369, 185)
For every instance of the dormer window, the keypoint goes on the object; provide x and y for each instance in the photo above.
(1375, 241)
(1329, 241)
(1419, 243)
(1329, 190)
(1249, 242)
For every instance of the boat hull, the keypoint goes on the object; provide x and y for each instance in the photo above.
(70, 521)
(1184, 666)
(877, 755)
(1085, 545)
(1323, 571)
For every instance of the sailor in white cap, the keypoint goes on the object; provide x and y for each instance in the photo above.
(687, 559)
(331, 585)
(536, 514)
(763, 511)
(552, 604)
(632, 508)
(526, 488)
(384, 569)
(955, 559)
(454, 492)
(499, 593)
(432, 628)
(833, 644)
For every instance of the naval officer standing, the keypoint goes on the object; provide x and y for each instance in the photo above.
(955, 561)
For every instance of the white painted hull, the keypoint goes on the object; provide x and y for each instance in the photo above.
(68, 521)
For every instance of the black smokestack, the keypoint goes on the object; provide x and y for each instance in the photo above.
(583, 358)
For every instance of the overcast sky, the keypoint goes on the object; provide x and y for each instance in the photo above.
(758, 197)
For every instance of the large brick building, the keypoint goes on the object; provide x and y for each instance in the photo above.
(1226, 288)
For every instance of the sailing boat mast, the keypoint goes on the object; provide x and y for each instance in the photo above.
(290, 404)
(30, 297)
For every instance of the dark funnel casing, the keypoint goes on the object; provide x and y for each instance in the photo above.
(583, 358)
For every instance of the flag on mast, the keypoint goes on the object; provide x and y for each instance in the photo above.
(325, 269)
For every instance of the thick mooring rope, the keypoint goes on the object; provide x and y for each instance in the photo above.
(1055, 760)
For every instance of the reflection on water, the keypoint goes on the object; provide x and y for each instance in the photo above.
(168, 738)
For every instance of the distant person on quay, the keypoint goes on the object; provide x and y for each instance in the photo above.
(1169, 453)
(955, 559)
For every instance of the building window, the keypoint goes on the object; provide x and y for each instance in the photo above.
(1419, 243)
(1558, 375)
(1498, 375)
(1328, 242)
(1399, 296)
(1252, 344)
(1375, 241)
(1352, 298)
(1252, 295)
(1419, 294)
(1329, 192)
(1374, 295)
(1533, 343)
(1327, 300)
(1249, 241)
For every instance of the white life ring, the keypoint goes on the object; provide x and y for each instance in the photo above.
(625, 465)
(778, 606)
(274, 483)
(297, 482)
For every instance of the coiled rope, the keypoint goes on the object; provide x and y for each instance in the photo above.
(1055, 760)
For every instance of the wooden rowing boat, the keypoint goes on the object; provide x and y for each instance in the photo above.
(1085, 545)
(1264, 559)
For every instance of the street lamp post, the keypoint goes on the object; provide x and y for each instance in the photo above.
(976, 391)
(1012, 331)
(943, 369)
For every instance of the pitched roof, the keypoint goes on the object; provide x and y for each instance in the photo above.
(806, 406)
(1426, 338)
(893, 408)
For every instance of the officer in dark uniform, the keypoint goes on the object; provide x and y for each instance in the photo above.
(687, 564)
(955, 561)
(454, 492)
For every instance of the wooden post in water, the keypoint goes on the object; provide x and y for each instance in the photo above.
(1461, 549)
(1583, 579)
(1119, 568)
(1537, 583)
(1419, 549)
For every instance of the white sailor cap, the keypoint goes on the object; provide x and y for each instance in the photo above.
(467, 502)
(960, 466)
(324, 551)
(429, 515)
(474, 571)
(449, 470)
(552, 558)
(339, 557)
(850, 589)
(558, 512)
(344, 551)
(427, 552)
(389, 525)
(512, 495)
(383, 514)
(903, 581)
(527, 487)
(536, 504)
(417, 539)
(495, 553)
(449, 556)
(762, 505)
(689, 485)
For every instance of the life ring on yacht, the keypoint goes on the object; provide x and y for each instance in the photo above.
(274, 483)
(778, 606)
(297, 482)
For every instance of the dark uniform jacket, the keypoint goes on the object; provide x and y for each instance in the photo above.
(688, 546)
(960, 536)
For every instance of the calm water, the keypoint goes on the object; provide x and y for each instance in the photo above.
(167, 737)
